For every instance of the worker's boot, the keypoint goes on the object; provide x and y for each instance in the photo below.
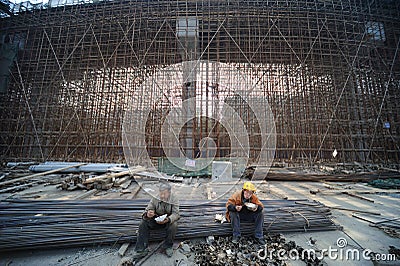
(169, 252)
(235, 239)
(261, 241)
(140, 254)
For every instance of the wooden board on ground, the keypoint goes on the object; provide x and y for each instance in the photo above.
(122, 250)
(39, 174)
(124, 247)
(114, 175)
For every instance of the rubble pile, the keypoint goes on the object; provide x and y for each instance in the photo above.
(277, 251)
(105, 182)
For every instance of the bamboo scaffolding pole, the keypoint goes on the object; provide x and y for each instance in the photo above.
(329, 69)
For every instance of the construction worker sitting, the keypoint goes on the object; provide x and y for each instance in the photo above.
(244, 206)
(166, 204)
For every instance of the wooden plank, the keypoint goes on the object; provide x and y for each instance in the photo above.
(135, 192)
(209, 192)
(3, 176)
(160, 176)
(352, 210)
(357, 196)
(125, 246)
(361, 218)
(17, 187)
(113, 175)
(388, 220)
(122, 250)
(390, 169)
(40, 174)
(126, 184)
(121, 181)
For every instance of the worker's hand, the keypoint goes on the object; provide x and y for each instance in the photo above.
(166, 220)
(238, 208)
(150, 213)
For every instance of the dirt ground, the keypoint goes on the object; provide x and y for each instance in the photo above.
(357, 233)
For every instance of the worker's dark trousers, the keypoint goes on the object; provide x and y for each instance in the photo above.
(144, 230)
(248, 217)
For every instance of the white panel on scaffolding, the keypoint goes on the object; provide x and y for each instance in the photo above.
(187, 27)
(221, 171)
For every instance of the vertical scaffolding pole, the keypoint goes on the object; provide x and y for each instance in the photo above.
(187, 31)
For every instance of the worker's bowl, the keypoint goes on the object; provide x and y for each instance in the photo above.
(160, 218)
(251, 206)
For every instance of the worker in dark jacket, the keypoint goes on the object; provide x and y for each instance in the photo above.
(239, 210)
(167, 204)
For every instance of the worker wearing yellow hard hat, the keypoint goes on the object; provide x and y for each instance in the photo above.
(245, 206)
(249, 186)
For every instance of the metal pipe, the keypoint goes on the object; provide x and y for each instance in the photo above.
(88, 168)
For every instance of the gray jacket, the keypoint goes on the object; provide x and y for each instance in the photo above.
(160, 207)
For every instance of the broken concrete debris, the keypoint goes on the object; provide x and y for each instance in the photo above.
(103, 182)
(247, 251)
(395, 251)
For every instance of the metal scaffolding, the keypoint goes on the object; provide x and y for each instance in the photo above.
(330, 70)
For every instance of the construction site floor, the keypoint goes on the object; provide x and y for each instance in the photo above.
(357, 232)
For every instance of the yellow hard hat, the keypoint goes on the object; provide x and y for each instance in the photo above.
(249, 186)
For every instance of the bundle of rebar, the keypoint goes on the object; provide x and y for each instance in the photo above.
(68, 223)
